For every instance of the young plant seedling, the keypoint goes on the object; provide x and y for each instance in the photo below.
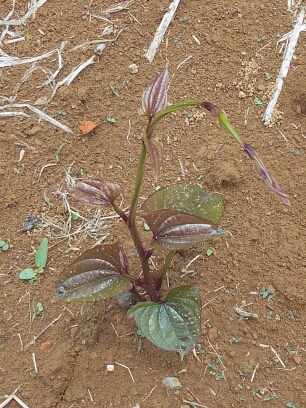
(4, 245)
(179, 216)
(40, 262)
(37, 309)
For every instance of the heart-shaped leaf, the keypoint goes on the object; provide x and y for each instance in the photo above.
(173, 325)
(95, 192)
(189, 198)
(97, 274)
(175, 230)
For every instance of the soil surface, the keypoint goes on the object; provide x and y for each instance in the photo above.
(233, 58)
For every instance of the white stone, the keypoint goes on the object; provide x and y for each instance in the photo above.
(110, 367)
(133, 68)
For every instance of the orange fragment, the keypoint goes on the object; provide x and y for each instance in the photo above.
(87, 126)
(45, 346)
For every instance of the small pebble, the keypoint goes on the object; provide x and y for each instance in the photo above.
(241, 95)
(133, 68)
(45, 346)
(297, 359)
(172, 383)
(213, 333)
(110, 368)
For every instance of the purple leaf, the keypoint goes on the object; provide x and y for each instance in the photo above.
(213, 109)
(264, 174)
(155, 150)
(95, 192)
(174, 230)
(154, 98)
(97, 274)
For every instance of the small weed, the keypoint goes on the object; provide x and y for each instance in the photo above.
(58, 152)
(4, 245)
(111, 120)
(257, 101)
(37, 309)
(265, 292)
(271, 397)
(210, 252)
(114, 91)
(40, 262)
(236, 339)
(75, 216)
(46, 199)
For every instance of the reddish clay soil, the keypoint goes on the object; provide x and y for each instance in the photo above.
(235, 60)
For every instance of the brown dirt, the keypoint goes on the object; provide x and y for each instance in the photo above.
(238, 48)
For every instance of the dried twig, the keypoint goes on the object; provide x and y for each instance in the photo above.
(127, 369)
(42, 332)
(38, 112)
(254, 372)
(274, 351)
(195, 403)
(34, 363)
(161, 30)
(217, 354)
(149, 393)
(11, 397)
(285, 66)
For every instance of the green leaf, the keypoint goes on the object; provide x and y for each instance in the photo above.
(58, 152)
(114, 91)
(290, 405)
(42, 254)
(75, 216)
(257, 101)
(97, 274)
(271, 397)
(175, 230)
(111, 120)
(189, 198)
(27, 274)
(47, 201)
(4, 245)
(173, 325)
(210, 251)
(40, 307)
